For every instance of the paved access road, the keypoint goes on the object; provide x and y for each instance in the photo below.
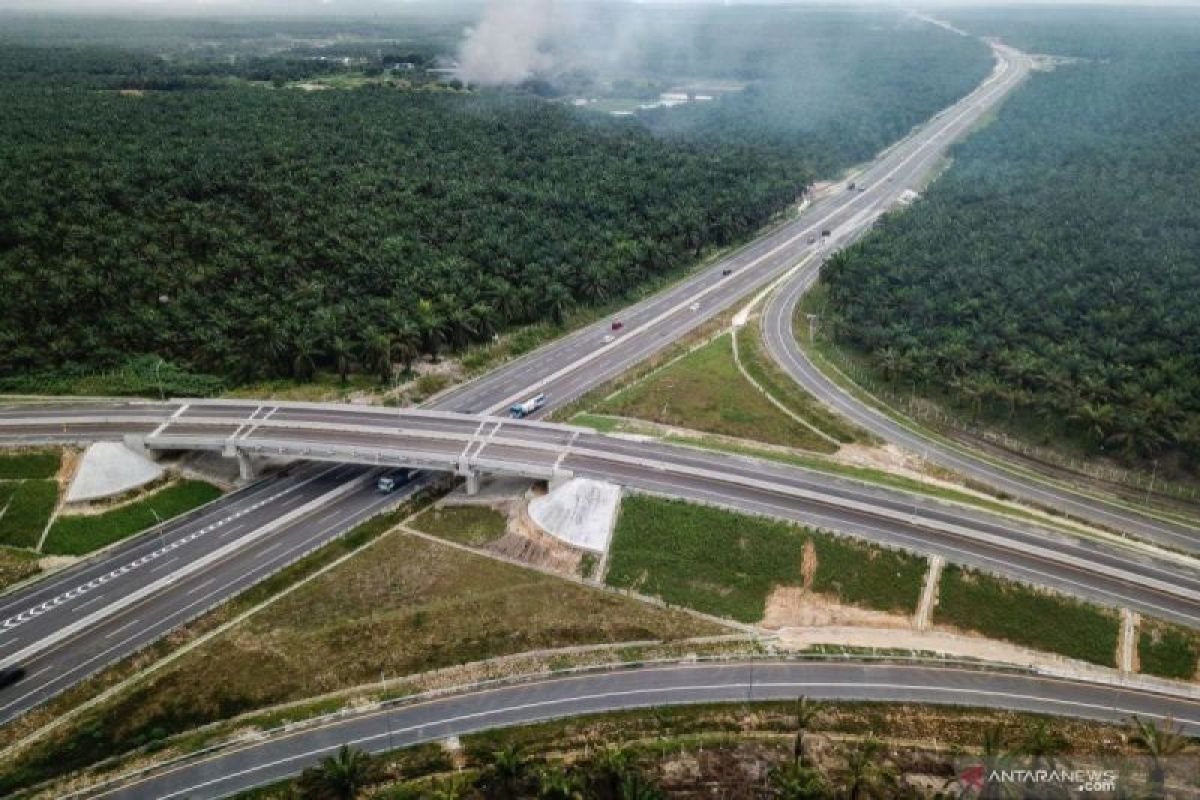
(277, 757)
(1111, 572)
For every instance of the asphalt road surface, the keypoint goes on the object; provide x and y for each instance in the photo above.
(76, 622)
(1113, 572)
(277, 757)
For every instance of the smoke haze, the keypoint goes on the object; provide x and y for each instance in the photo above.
(512, 42)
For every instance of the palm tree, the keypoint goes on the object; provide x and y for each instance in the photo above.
(796, 782)
(993, 754)
(339, 777)
(504, 779)
(635, 786)
(1159, 744)
(608, 770)
(1044, 744)
(866, 773)
(339, 351)
(806, 712)
(556, 783)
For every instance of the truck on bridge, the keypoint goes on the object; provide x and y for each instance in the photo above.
(522, 410)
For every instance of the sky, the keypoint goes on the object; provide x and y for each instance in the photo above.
(261, 7)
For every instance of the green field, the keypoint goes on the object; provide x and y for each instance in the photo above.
(758, 363)
(727, 564)
(704, 391)
(1026, 616)
(27, 507)
(469, 525)
(76, 535)
(29, 464)
(1169, 651)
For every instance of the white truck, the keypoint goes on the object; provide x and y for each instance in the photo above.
(522, 410)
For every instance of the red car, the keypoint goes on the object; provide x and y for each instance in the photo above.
(617, 325)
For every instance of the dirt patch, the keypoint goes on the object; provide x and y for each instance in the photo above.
(67, 468)
(886, 457)
(525, 542)
(808, 564)
(795, 607)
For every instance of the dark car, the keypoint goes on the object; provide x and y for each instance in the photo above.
(617, 325)
(10, 675)
(727, 272)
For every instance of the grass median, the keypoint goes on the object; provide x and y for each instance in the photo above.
(83, 533)
(705, 391)
(727, 564)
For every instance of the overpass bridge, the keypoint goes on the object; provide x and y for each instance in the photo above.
(1105, 569)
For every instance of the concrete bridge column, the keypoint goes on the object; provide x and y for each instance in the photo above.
(472, 477)
(247, 471)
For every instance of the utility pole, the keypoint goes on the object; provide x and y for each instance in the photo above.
(1150, 487)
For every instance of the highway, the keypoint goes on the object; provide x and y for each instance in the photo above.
(581, 361)
(279, 756)
(1112, 572)
(74, 623)
(377, 439)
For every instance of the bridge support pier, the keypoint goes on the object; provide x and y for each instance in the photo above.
(472, 482)
(561, 476)
(247, 471)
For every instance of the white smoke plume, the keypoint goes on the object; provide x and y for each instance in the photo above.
(512, 42)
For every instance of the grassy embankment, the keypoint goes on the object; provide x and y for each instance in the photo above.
(704, 391)
(474, 526)
(28, 495)
(404, 606)
(82, 533)
(1026, 616)
(727, 564)
(1169, 651)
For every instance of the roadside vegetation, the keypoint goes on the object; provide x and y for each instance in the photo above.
(1029, 288)
(470, 525)
(77, 534)
(406, 605)
(1035, 618)
(16, 565)
(763, 369)
(705, 391)
(727, 564)
(796, 749)
(1169, 651)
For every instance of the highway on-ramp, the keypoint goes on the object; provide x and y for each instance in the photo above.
(275, 757)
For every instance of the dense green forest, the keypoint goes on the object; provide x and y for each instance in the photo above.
(241, 232)
(1052, 277)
